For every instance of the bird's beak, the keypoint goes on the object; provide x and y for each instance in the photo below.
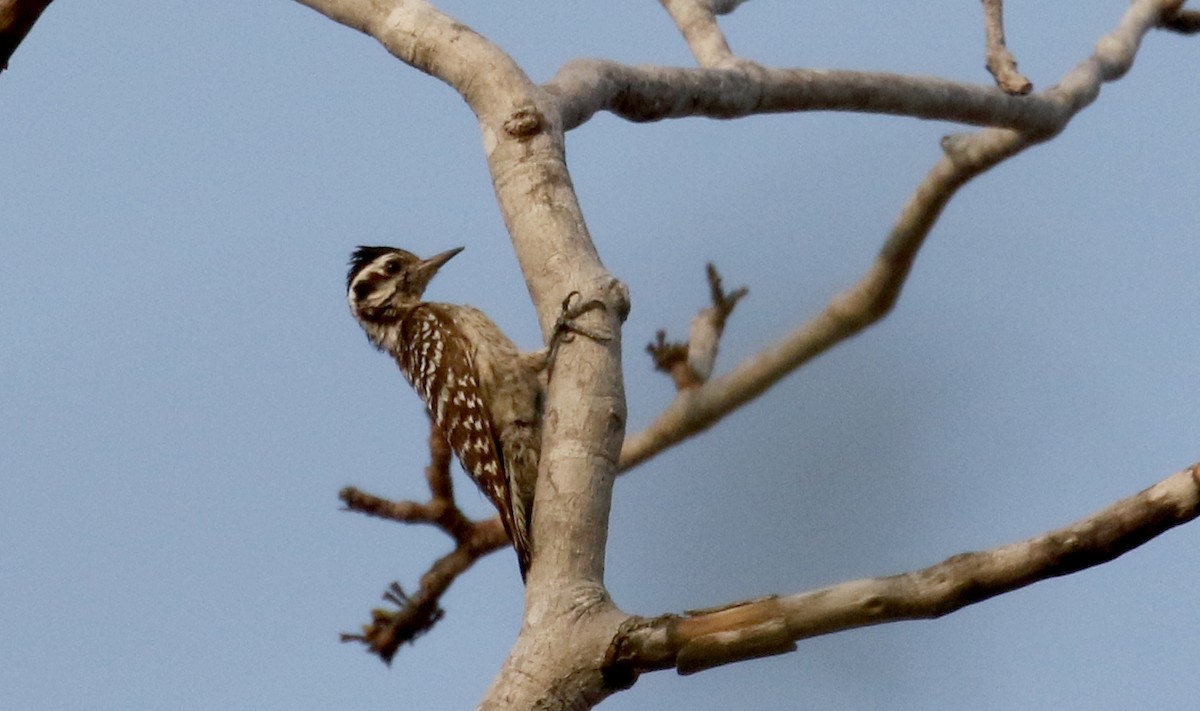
(429, 267)
(435, 262)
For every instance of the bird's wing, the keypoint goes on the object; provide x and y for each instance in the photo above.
(439, 364)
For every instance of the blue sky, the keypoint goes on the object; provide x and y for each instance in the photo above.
(184, 391)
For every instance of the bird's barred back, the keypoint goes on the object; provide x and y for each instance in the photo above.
(438, 363)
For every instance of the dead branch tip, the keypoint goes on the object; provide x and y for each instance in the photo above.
(388, 629)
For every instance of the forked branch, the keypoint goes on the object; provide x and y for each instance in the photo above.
(703, 639)
(876, 292)
(691, 364)
(415, 614)
(848, 313)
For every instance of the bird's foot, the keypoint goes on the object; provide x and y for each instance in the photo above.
(566, 326)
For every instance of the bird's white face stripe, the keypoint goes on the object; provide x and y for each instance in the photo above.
(373, 272)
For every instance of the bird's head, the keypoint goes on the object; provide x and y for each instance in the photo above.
(384, 283)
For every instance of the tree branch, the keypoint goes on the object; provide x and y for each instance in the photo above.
(873, 296)
(415, 615)
(697, 22)
(17, 18)
(584, 87)
(1000, 61)
(691, 364)
(441, 510)
(704, 639)
(869, 300)
(1185, 22)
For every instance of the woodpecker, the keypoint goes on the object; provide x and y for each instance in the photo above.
(482, 393)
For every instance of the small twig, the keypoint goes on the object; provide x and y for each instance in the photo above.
(391, 628)
(417, 614)
(691, 364)
(723, 304)
(441, 510)
(379, 507)
(1185, 22)
(671, 357)
(725, 7)
(17, 18)
(697, 22)
(1000, 61)
(848, 313)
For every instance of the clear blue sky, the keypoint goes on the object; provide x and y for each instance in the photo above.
(184, 391)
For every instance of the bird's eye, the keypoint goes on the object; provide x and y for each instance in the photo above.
(391, 268)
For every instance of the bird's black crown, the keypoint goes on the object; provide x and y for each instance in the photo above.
(363, 256)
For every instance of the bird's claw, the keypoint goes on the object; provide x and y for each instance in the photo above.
(565, 327)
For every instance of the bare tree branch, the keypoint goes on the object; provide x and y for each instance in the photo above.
(16, 19)
(651, 93)
(1000, 61)
(873, 296)
(704, 639)
(437, 474)
(725, 7)
(1185, 22)
(442, 513)
(691, 364)
(416, 614)
(584, 87)
(870, 299)
(697, 22)
(441, 509)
